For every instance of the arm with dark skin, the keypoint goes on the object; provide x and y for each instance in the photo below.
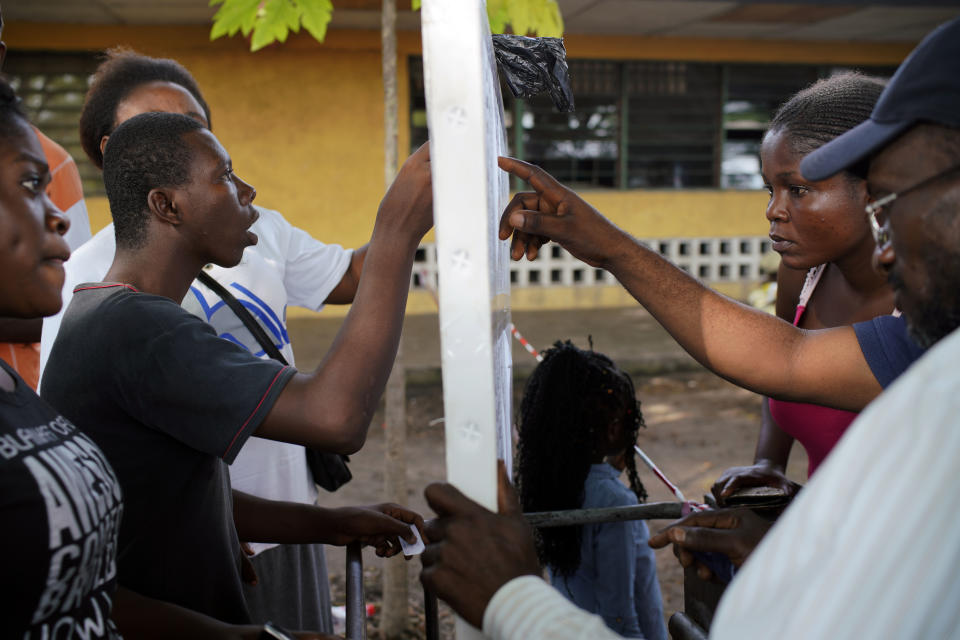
(346, 289)
(261, 520)
(773, 444)
(331, 408)
(20, 330)
(472, 551)
(823, 367)
(137, 616)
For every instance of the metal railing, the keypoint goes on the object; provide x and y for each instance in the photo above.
(356, 605)
(356, 609)
(571, 517)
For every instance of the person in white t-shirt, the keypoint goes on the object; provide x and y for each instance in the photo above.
(287, 267)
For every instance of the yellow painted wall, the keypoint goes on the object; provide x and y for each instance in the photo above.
(691, 213)
(304, 123)
(305, 129)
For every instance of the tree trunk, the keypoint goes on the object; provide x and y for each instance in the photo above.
(394, 617)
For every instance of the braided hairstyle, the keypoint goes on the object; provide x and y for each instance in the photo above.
(827, 108)
(117, 77)
(569, 404)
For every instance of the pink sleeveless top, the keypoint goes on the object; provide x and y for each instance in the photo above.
(816, 427)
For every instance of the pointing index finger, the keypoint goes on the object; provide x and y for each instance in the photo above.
(533, 175)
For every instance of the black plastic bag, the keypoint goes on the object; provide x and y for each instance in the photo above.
(535, 65)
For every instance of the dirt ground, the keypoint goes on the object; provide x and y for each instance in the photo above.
(697, 425)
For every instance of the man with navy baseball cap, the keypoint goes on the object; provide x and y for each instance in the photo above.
(925, 88)
(912, 145)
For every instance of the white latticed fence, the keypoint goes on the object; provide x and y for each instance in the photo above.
(709, 259)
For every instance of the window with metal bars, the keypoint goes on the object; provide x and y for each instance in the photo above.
(649, 124)
(672, 121)
(636, 124)
(579, 148)
(754, 92)
(52, 86)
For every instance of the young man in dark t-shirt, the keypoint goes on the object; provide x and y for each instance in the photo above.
(171, 404)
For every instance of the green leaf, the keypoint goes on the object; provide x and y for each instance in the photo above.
(250, 21)
(218, 30)
(270, 25)
(414, 5)
(232, 17)
(549, 22)
(316, 16)
(273, 23)
(292, 15)
(497, 15)
(537, 17)
(288, 14)
(522, 16)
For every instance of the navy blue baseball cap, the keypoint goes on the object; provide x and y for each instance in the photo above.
(926, 88)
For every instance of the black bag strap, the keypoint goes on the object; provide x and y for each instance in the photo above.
(245, 316)
(329, 470)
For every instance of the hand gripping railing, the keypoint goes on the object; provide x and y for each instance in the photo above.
(356, 610)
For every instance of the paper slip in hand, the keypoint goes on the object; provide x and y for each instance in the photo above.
(415, 548)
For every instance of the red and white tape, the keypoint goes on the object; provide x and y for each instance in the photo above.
(526, 345)
(688, 505)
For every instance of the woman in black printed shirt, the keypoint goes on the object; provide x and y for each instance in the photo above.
(60, 502)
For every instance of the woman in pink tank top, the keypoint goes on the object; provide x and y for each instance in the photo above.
(825, 278)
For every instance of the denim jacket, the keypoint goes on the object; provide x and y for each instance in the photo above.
(617, 577)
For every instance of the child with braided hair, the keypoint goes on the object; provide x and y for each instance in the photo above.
(578, 424)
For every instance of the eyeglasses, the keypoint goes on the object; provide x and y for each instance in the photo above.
(881, 234)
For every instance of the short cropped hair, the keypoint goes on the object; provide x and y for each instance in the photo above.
(11, 110)
(827, 108)
(148, 151)
(115, 79)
